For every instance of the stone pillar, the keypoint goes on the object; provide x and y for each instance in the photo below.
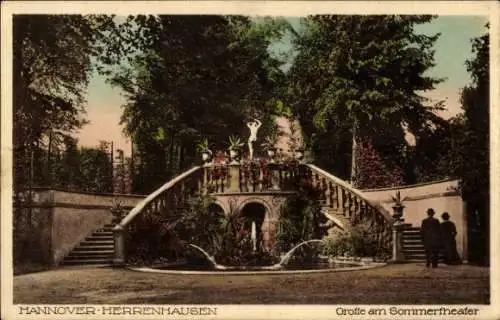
(234, 178)
(119, 237)
(465, 233)
(397, 242)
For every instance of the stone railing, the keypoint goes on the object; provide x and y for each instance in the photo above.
(256, 178)
(250, 177)
(163, 202)
(339, 195)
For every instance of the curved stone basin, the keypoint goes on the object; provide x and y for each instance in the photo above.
(334, 266)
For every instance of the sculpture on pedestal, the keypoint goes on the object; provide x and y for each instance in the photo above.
(254, 127)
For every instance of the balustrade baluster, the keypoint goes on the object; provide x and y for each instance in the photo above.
(241, 179)
(357, 204)
(328, 194)
(347, 203)
(261, 178)
(225, 181)
(334, 196)
(164, 198)
(322, 187)
(340, 192)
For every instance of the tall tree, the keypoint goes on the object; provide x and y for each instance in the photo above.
(360, 77)
(193, 77)
(52, 60)
(471, 152)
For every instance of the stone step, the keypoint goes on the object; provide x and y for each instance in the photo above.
(415, 246)
(106, 231)
(88, 261)
(412, 242)
(412, 229)
(100, 237)
(91, 253)
(411, 236)
(98, 242)
(84, 247)
(87, 258)
(411, 232)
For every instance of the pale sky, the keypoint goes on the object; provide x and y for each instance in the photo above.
(453, 48)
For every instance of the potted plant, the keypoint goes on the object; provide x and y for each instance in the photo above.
(398, 207)
(235, 145)
(270, 145)
(206, 153)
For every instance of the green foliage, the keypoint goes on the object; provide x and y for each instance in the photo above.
(199, 221)
(361, 76)
(372, 171)
(51, 67)
(470, 153)
(232, 245)
(299, 220)
(192, 77)
(203, 145)
(156, 236)
(360, 241)
(235, 142)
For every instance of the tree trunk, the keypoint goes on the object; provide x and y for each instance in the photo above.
(354, 168)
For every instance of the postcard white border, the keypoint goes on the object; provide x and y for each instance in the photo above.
(256, 8)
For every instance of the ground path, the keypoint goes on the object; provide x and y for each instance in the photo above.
(393, 284)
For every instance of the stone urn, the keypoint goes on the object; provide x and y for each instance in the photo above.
(398, 208)
(398, 213)
(206, 156)
(235, 155)
(271, 153)
(299, 154)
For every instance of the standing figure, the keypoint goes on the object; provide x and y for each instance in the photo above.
(253, 126)
(429, 232)
(448, 233)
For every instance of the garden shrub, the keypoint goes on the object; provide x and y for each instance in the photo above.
(300, 219)
(360, 241)
(155, 236)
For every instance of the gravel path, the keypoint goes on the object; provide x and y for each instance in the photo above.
(393, 284)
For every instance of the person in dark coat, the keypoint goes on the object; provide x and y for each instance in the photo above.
(448, 233)
(429, 232)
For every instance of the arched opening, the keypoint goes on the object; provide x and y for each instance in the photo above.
(254, 213)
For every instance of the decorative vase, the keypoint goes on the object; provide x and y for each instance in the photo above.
(299, 154)
(206, 155)
(271, 154)
(234, 154)
(397, 212)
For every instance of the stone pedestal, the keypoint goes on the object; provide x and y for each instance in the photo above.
(119, 237)
(233, 178)
(397, 241)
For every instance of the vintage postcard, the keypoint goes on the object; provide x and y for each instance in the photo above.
(250, 160)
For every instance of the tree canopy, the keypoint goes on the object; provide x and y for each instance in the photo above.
(362, 77)
(194, 77)
(51, 66)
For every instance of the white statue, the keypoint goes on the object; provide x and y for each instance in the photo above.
(253, 126)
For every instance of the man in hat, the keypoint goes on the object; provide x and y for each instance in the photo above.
(429, 232)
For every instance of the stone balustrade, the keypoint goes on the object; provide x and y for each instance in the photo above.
(259, 179)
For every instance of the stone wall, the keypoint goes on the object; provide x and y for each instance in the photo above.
(441, 196)
(55, 221)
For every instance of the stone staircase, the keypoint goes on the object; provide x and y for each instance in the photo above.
(96, 249)
(413, 248)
